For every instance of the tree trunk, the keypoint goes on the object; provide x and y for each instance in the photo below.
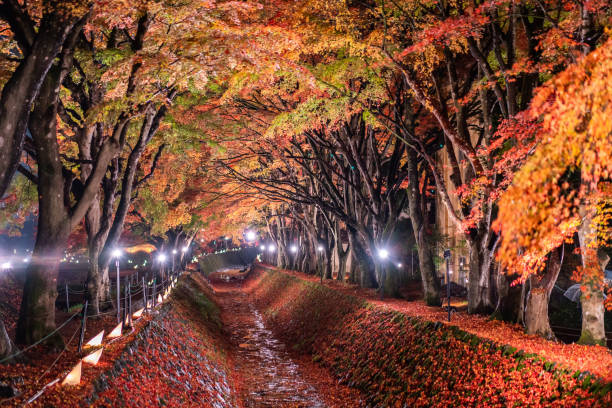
(479, 285)
(427, 268)
(6, 345)
(37, 312)
(416, 206)
(364, 269)
(536, 312)
(591, 299)
(57, 216)
(508, 298)
(95, 287)
(342, 255)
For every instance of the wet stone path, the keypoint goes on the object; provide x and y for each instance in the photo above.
(269, 376)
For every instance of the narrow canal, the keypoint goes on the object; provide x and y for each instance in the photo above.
(269, 376)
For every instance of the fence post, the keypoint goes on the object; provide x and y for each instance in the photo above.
(144, 294)
(126, 283)
(154, 292)
(118, 291)
(83, 323)
(130, 305)
(67, 300)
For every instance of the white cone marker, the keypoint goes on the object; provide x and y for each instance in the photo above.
(93, 357)
(96, 340)
(74, 376)
(116, 331)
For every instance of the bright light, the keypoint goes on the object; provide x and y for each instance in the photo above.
(161, 258)
(6, 265)
(320, 248)
(96, 340)
(227, 238)
(94, 357)
(250, 235)
(184, 249)
(116, 332)
(174, 251)
(74, 376)
(138, 313)
(293, 248)
(399, 265)
(271, 248)
(263, 247)
(26, 260)
(383, 253)
(116, 253)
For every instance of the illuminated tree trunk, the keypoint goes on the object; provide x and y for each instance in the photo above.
(536, 311)
(591, 299)
(479, 285)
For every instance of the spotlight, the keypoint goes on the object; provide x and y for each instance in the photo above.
(184, 249)
(293, 248)
(320, 248)
(263, 247)
(250, 235)
(271, 248)
(174, 251)
(383, 253)
(399, 265)
(116, 253)
(161, 258)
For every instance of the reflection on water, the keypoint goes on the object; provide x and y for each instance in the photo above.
(276, 381)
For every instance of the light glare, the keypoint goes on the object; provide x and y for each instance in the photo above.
(383, 253)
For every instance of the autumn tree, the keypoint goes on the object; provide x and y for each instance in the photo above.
(563, 188)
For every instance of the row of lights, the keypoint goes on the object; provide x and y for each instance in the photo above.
(382, 253)
(161, 258)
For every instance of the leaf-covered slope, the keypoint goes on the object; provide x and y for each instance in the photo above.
(398, 360)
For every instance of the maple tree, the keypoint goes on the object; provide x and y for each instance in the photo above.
(468, 68)
(570, 165)
(324, 123)
(108, 80)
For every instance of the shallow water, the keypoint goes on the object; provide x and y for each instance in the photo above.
(271, 378)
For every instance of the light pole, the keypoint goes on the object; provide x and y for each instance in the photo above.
(173, 256)
(161, 258)
(447, 255)
(184, 250)
(117, 255)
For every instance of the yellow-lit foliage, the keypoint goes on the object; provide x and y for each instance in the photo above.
(570, 170)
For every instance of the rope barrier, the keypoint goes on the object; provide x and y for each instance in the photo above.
(39, 341)
(162, 285)
(59, 355)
